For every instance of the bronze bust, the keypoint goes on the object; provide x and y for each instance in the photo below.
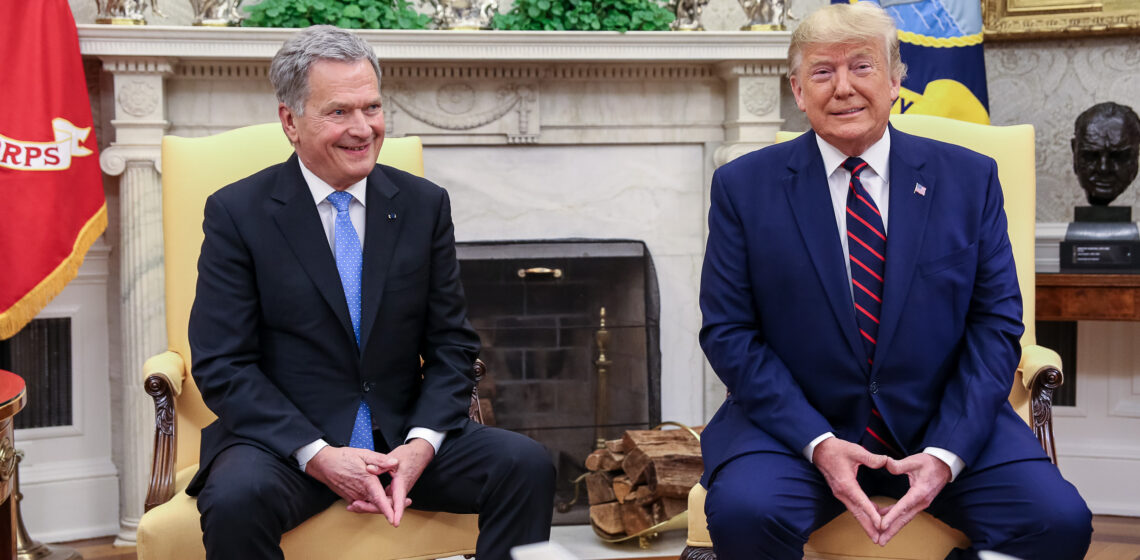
(1106, 151)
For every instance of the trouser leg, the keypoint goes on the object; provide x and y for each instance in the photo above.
(1023, 508)
(766, 505)
(507, 478)
(250, 499)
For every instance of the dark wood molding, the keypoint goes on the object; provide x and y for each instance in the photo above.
(1088, 297)
(161, 486)
(1041, 407)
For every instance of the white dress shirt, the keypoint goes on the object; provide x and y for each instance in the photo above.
(876, 179)
(325, 209)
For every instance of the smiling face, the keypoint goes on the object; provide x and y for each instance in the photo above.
(1105, 158)
(847, 91)
(340, 133)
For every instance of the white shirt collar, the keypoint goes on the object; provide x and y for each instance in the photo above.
(321, 190)
(877, 156)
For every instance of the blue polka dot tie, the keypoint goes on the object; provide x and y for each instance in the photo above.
(349, 257)
(867, 248)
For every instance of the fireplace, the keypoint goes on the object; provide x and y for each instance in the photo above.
(570, 337)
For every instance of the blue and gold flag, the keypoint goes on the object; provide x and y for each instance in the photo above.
(941, 44)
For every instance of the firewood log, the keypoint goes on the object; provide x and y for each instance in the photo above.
(622, 487)
(639, 458)
(604, 460)
(635, 518)
(673, 477)
(641, 495)
(674, 506)
(615, 446)
(607, 518)
(637, 438)
(600, 487)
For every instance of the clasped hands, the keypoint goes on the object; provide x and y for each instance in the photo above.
(352, 473)
(839, 461)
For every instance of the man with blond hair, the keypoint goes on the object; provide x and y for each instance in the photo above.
(861, 305)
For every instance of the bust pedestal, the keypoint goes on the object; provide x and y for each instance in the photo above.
(1101, 239)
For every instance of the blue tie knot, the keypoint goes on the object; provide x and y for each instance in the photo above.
(340, 200)
(853, 164)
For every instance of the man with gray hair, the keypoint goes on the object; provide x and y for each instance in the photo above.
(861, 305)
(329, 334)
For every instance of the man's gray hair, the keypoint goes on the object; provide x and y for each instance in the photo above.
(289, 71)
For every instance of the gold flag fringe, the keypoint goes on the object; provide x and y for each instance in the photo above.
(24, 310)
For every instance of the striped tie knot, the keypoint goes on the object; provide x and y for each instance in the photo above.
(854, 165)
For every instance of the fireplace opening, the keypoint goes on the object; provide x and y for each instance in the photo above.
(570, 337)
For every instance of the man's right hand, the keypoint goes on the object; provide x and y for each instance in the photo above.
(345, 471)
(839, 462)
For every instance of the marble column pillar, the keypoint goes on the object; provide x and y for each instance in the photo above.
(752, 107)
(139, 125)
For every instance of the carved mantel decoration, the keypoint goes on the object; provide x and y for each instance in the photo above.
(636, 121)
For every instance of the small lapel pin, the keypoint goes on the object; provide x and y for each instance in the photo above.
(918, 189)
(392, 217)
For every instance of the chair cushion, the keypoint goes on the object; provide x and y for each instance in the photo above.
(172, 531)
(924, 538)
(843, 539)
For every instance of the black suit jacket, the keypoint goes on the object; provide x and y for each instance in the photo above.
(273, 349)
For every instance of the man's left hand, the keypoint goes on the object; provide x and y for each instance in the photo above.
(413, 458)
(928, 475)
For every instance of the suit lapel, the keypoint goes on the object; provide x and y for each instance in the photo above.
(908, 218)
(386, 215)
(810, 199)
(300, 224)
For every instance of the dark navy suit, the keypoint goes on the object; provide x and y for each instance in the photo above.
(276, 359)
(780, 331)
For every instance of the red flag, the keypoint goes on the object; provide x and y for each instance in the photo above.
(51, 191)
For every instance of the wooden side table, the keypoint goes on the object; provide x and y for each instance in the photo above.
(1088, 297)
(12, 399)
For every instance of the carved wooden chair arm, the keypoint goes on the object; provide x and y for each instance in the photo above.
(474, 411)
(164, 374)
(1041, 374)
(1036, 360)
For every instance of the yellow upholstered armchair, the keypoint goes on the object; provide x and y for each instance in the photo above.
(193, 168)
(1038, 375)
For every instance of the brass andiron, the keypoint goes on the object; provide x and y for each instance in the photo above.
(26, 548)
(602, 398)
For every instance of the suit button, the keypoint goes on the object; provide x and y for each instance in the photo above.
(368, 385)
(874, 388)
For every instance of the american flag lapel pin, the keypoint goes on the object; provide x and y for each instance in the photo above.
(919, 189)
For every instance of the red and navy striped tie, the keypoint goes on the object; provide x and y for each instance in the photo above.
(867, 244)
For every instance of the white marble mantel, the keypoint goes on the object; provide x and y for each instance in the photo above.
(252, 43)
(537, 135)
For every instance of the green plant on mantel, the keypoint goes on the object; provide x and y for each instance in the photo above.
(349, 14)
(585, 15)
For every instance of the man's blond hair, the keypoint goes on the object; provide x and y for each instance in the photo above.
(838, 24)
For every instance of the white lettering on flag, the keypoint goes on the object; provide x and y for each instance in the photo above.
(45, 156)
